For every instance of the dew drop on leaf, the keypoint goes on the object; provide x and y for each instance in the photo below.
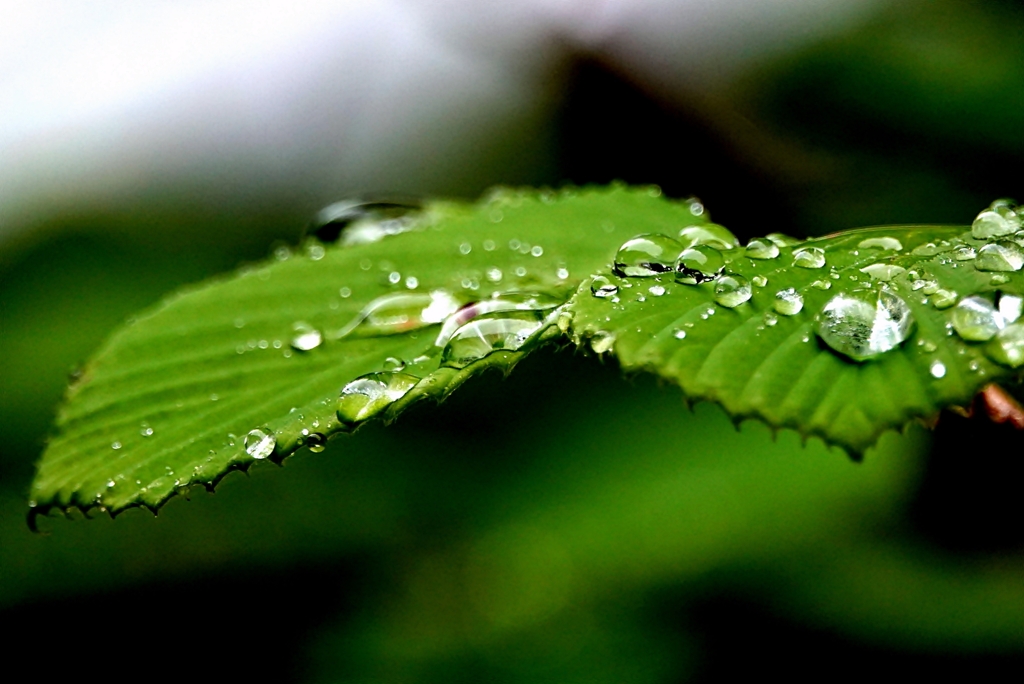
(316, 442)
(699, 264)
(501, 301)
(602, 287)
(503, 331)
(306, 337)
(864, 324)
(399, 313)
(976, 319)
(710, 234)
(809, 257)
(943, 299)
(731, 290)
(759, 280)
(761, 248)
(647, 255)
(358, 221)
(602, 341)
(260, 443)
(788, 302)
(989, 224)
(369, 394)
(1002, 256)
(886, 243)
(1007, 347)
(937, 369)
(883, 272)
(965, 253)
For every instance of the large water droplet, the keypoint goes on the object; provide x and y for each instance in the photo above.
(1010, 307)
(306, 337)
(1007, 347)
(370, 394)
(864, 324)
(400, 313)
(602, 287)
(943, 299)
(783, 240)
(647, 255)
(809, 257)
(504, 331)
(999, 256)
(965, 253)
(316, 442)
(883, 272)
(731, 290)
(761, 248)
(927, 249)
(886, 243)
(502, 301)
(699, 264)
(360, 221)
(989, 224)
(977, 319)
(710, 234)
(260, 443)
(788, 302)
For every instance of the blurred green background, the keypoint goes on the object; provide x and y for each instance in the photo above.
(566, 524)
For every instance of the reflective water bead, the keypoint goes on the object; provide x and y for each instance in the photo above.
(809, 257)
(788, 302)
(316, 442)
(976, 319)
(731, 290)
(656, 290)
(999, 256)
(761, 248)
(989, 224)
(1010, 307)
(602, 341)
(782, 240)
(1007, 347)
(369, 394)
(937, 369)
(699, 264)
(501, 301)
(943, 299)
(647, 255)
(821, 284)
(358, 221)
(710, 234)
(260, 443)
(927, 249)
(504, 331)
(864, 324)
(679, 334)
(884, 272)
(964, 253)
(759, 280)
(886, 243)
(602, 287)
(399, 313)
(306, 337)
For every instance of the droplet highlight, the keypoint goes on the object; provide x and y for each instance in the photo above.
(647, 255)
(864, 324)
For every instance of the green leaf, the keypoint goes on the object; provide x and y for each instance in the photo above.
(760, 358)
(168, 401)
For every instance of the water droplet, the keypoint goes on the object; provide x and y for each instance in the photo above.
(283, 253)
(927, 249)
(679, 334)
(886, 243)
(345, 292)
(400, 313)
(976, 319)
(656, 290)
(260, 443)
(964, 253)
(602, 287)
(393, 364)
(647, 255)
(536, 250)
(809, 257)
(699, 264)
(394, 277)
(943, 299)
(602, 342)
(864, 324)
(361, 221)
(989, 224)
(145, 430)
(927, 346)
(306, 337)
(110, 484)
(937, 369)
(999, 256)
(502, 301)
(1010, 307)
(115, 445)
(695, 206)
(465, 248)
(761, 248)
(710, 234)
(999, 279)
(316, 442)
(731, 290)
(1007, 347)
(503, 331)
(788, 302)
(412, 282)
(368, 395)
(782, 240)
(821, 284)
(883, 272)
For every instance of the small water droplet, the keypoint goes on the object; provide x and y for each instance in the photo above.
(943, 299)
(1007, 347)
(989, 224)
(345, 292)
(602, 342)
(602, 287)
(759, 280)
(710, 234)
(731, 290)
(809, 257)
(316, 442)
(536, 250)
(306, 337)
(999, 279)
(369, 394)
(393, 364)
(821, 284)
(886, 243)
(999, 256)
(699, 264)
(260, 443)
(937, 369)
(145, 430)
(647, 255)
(964, 253)
(501, 331)
(489, 245)
(679, 334)
(770, 319)
(283, 253)
(864, 324)
(394, 277)
(695, 206)
(656, 290)
(884, 272)
(927, 346)
(761, 248)
(115, 445)
(927, 249)
(465, 248)
(976, 319)
(788, 302)
(412, 282)
(562, 273)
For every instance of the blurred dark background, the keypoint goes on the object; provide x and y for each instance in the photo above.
(588, 528)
